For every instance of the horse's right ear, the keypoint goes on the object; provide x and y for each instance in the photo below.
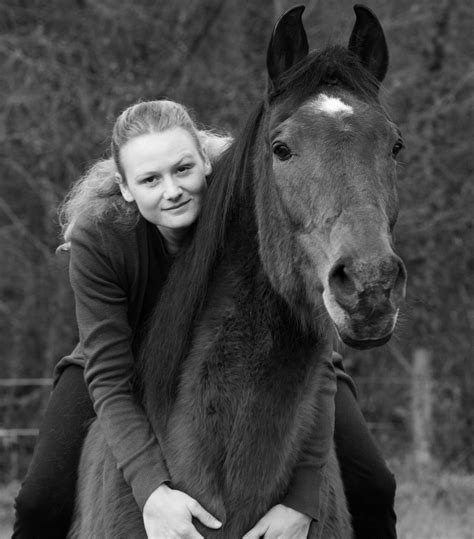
(288, 44)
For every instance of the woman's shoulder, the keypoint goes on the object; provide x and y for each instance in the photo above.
(106, 230)
(109, 247)
(118, 243)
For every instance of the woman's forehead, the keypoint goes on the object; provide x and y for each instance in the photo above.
(160, 149)
(161, 141)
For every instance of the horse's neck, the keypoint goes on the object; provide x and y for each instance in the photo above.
(240, 267)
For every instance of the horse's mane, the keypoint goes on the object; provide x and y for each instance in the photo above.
(170, 327)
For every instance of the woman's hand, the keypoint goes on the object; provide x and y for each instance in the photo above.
(281, 522)
(168, 513)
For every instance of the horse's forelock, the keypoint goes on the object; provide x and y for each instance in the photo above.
(333, 65)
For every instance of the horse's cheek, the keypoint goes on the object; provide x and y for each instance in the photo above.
(300, 187)
(293, 195)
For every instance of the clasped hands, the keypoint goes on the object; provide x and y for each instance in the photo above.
(168, 514)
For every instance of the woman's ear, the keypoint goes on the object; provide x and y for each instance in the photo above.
(207, 166)
(127, 195)
(207, 162)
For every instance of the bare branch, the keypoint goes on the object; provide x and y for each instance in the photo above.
(20, 225)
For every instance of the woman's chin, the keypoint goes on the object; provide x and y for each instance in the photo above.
(177, 222)
(182, 223)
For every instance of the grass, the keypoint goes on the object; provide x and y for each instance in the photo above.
(7, 494)
(432, 505)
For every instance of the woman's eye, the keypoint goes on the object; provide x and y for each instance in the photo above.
(151, 179)
(184, 168)
(397, 147)
(282, 152)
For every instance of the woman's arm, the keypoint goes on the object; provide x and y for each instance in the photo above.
(101, 309)
(103, 293)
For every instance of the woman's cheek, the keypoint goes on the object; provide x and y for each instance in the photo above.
(200, 183)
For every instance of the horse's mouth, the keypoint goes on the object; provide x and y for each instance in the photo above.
(363, 336)
(365, 344)
(363, 330)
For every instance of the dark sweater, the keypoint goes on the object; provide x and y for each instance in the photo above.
(116, 274)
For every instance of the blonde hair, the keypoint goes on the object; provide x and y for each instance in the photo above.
(97, 194)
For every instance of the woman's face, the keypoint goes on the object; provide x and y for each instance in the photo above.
(165, 175)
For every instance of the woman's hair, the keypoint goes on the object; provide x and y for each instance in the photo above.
(97, 193)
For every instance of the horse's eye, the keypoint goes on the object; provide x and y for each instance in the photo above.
(397, 147)
(282, 151)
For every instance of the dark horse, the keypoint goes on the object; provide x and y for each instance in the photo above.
(294, 240)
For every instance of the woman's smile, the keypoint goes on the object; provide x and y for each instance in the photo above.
(178, 206)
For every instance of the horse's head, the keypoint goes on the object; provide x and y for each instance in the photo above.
(327, 208)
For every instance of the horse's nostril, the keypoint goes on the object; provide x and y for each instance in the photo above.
(341, 281)
(377, 282)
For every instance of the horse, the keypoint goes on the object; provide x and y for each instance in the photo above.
(293, 247)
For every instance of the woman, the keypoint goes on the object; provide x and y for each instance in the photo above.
(125, 221)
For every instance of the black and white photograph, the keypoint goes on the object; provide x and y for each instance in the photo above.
(236, 277)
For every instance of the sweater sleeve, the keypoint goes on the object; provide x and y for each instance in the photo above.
(304, 492)
(106, 338)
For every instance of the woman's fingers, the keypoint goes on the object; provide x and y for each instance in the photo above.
(258, 530)
(282, 522)
(168, 513)
(201, 514)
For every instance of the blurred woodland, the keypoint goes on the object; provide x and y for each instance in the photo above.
(70, 66)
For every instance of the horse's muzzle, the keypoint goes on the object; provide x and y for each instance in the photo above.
(369, 293)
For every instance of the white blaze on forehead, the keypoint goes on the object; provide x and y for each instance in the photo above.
(333, 106)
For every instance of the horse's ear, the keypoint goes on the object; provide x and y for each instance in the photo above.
(288, 44)
(367, 41)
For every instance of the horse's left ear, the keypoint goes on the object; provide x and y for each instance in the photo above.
(367, 41)
(288, 44)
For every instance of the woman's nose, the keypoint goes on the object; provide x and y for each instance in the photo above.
(172, 190)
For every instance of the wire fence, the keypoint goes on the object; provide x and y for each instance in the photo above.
(28, 397)
(22, 382)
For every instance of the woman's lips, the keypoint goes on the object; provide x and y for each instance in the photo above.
(177, 206)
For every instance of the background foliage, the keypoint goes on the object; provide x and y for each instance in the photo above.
(69, 67)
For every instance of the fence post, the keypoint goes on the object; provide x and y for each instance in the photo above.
(421, 408)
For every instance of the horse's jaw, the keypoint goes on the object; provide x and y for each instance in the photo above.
(281, 263)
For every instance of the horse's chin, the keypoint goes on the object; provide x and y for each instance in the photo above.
(359, 332)
(364, 344)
